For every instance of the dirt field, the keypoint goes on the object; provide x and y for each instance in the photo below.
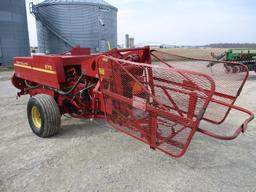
(87, 156)
(204, 53)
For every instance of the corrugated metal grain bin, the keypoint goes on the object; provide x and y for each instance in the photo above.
(13, 30)
(62, 24)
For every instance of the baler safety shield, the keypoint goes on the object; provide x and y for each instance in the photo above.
(157, 105)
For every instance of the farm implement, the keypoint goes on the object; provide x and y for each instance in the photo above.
(246, 57)
(158, 98)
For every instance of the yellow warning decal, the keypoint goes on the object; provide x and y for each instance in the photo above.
(101, 71)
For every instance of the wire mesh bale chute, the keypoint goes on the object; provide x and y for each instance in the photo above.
(158, 105)
(228, 87)
(163, 104)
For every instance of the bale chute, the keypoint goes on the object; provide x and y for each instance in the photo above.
(163, 104)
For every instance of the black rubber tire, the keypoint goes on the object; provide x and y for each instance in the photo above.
(49, 114)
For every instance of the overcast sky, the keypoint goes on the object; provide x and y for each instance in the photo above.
(181, 22)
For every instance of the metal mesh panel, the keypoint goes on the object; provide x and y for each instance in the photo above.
(157, 105)
(228, 77)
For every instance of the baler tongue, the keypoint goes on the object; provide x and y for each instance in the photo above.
(163, 104)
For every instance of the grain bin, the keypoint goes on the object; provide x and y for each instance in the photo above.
(14, 31)
(62, 24)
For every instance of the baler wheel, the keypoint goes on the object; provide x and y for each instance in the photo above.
(43, 115)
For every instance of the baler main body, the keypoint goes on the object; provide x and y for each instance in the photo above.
(162, 104)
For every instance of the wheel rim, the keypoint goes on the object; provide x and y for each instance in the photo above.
(36, 117)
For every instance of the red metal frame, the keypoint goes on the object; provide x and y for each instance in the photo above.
(108, 62)
(230, 106)
(158, 104)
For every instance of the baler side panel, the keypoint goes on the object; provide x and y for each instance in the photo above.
(42, 70)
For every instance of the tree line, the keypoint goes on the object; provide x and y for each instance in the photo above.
(232, 45)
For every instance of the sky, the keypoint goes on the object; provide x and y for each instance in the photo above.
(181, 22)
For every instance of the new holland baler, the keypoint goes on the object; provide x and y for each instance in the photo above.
(158, 98)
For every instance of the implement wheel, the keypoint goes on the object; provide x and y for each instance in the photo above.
(43, 115)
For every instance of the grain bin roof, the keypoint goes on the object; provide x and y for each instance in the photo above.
(97, 2)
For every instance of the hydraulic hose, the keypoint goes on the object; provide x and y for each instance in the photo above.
(73, 88)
